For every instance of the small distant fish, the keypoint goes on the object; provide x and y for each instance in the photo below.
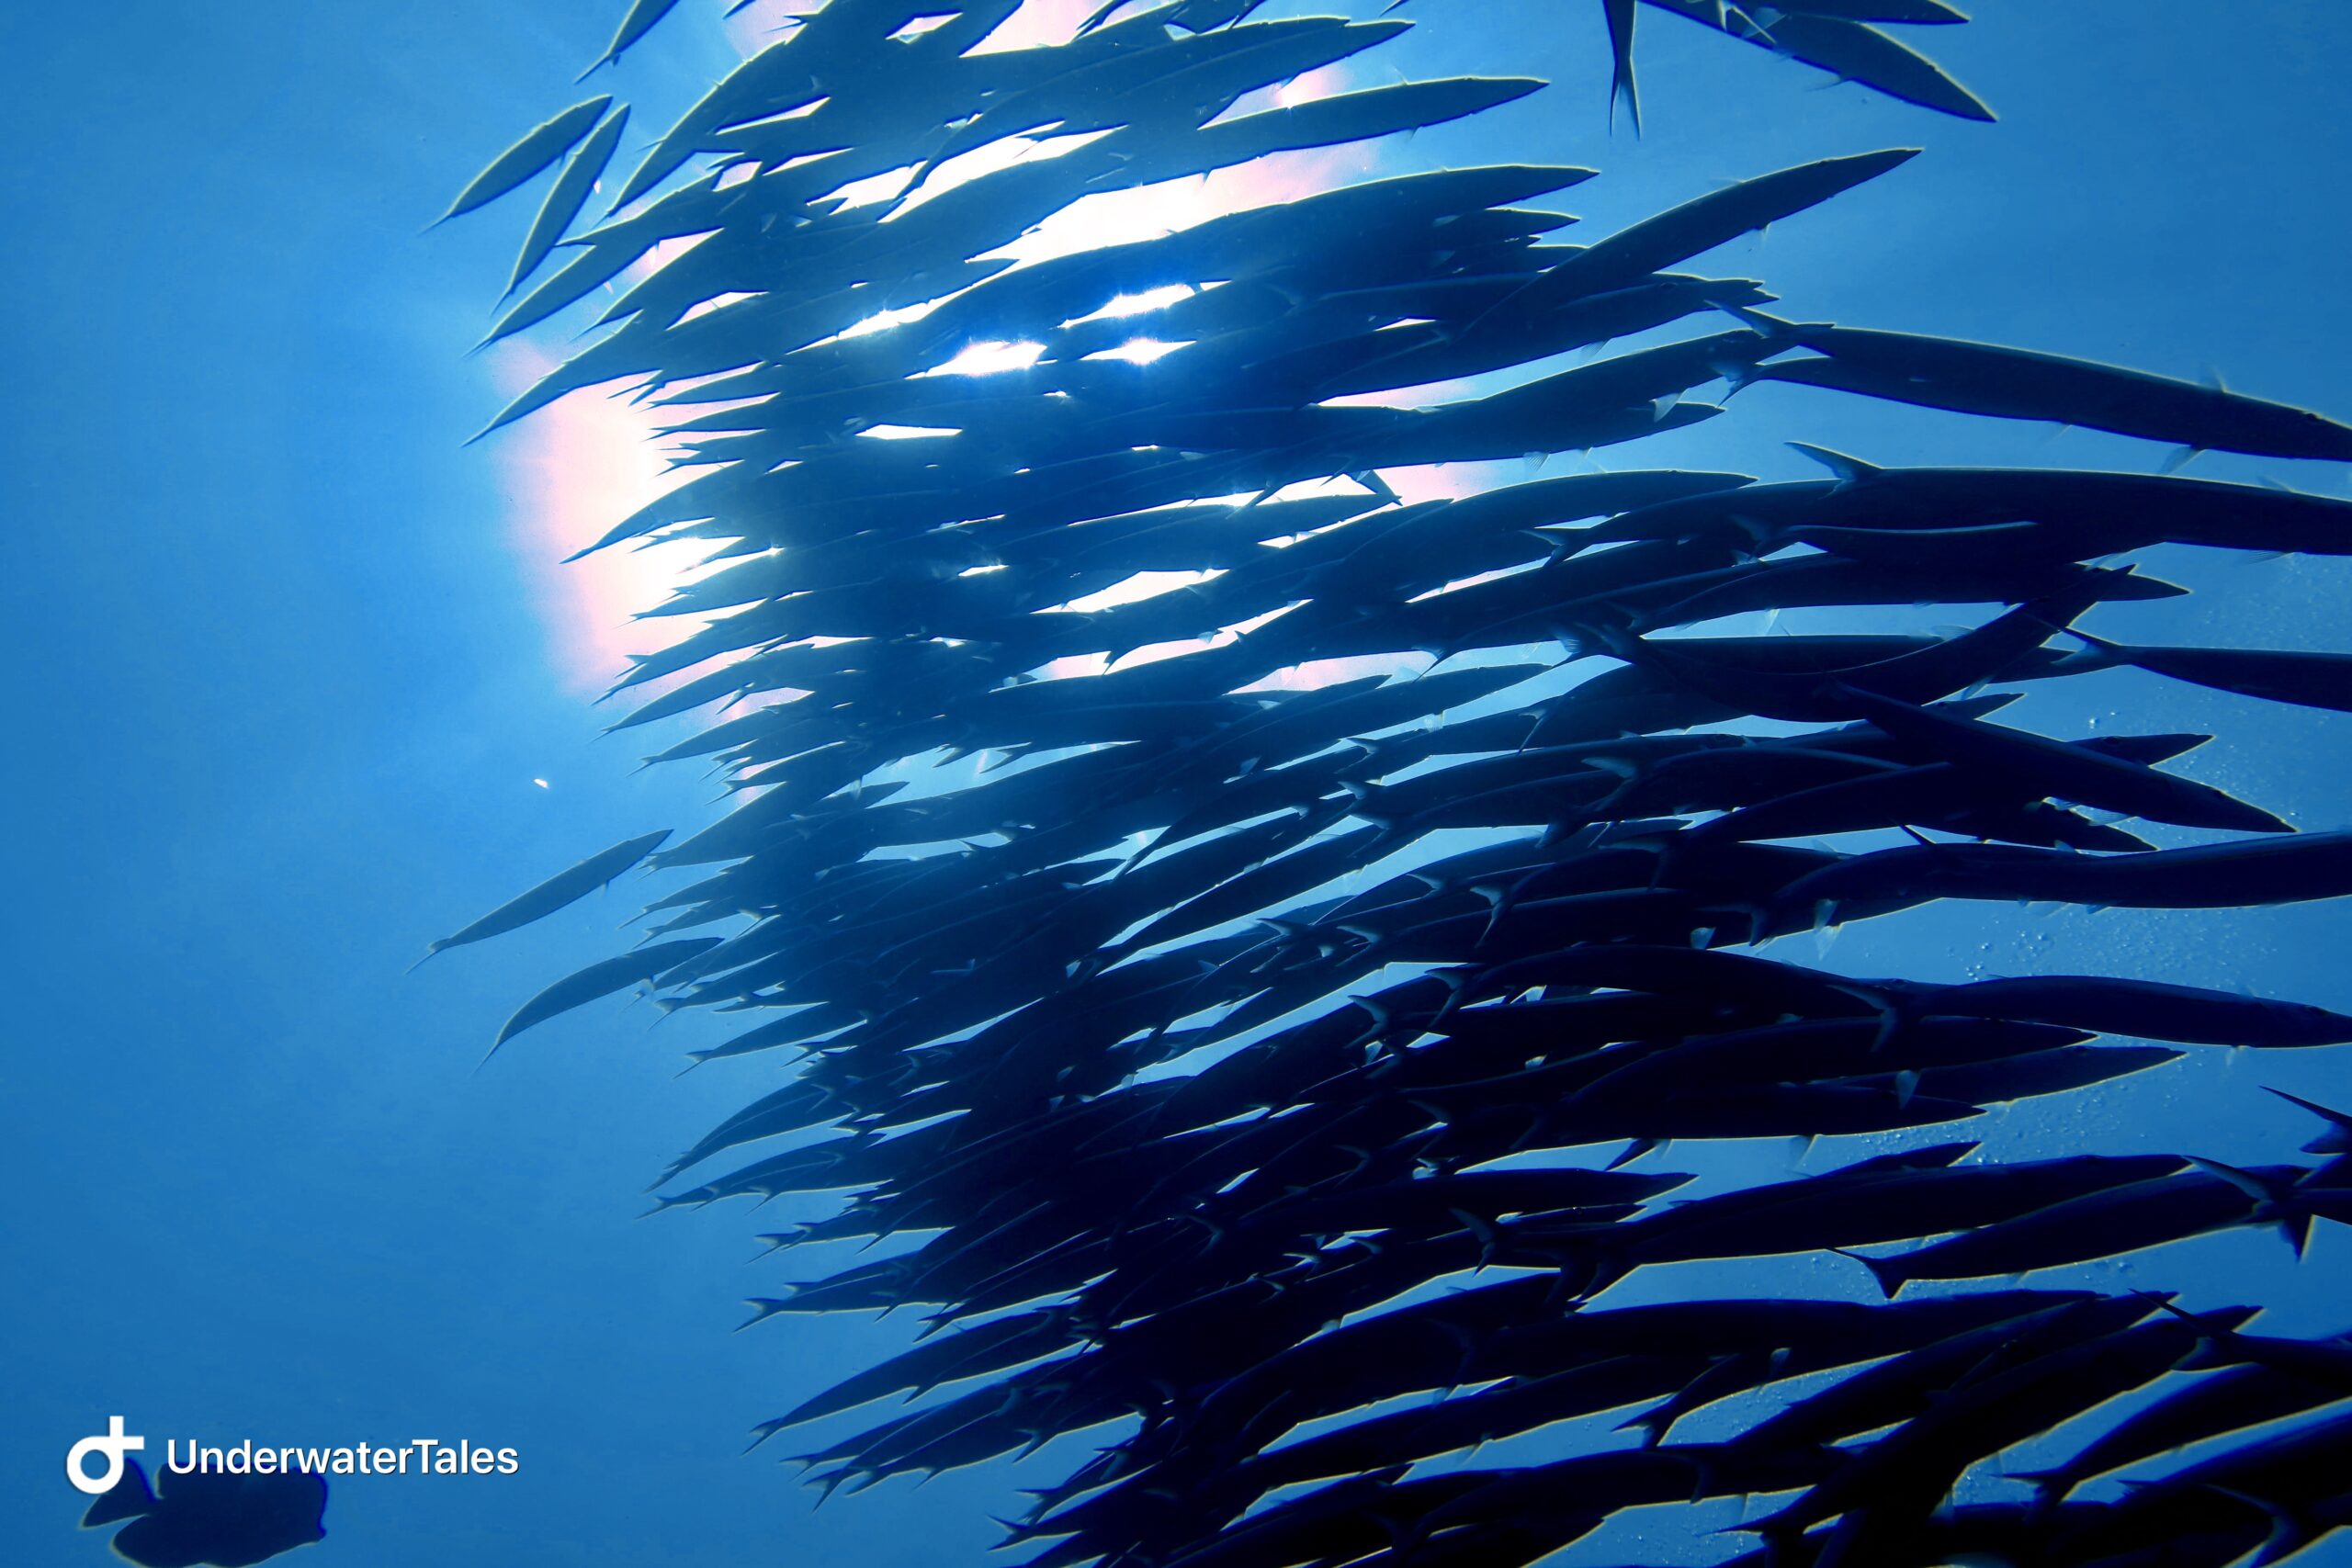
(542, 145)
(228, 1521)
(563, 887)
(639, 21)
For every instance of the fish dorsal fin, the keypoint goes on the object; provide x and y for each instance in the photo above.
(1850, 469)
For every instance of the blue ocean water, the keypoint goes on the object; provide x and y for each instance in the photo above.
(287, 679)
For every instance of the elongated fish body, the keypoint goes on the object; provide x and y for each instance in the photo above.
(2151, 1009)
(642, 14)
(1350, 116)
(1703, 223)
(1832, 1049)
(2188, 512)
(2075, 513)
(2090, 778)
(2014, 383)
(1997, 1408)
(1916, 675)
(1849, 50)
(1907, 12)
(1149, 82)
(2252, 871)
(564, 887)
(786, 74)
(2102, 1224)
(2229, 1401)
(1886, 1206)
(542, 145)
(1933, 795)
(602, 979)
(567, 195)
(2306, 680)
(1908, 1385)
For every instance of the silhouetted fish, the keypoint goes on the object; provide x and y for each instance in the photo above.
(211, 1516)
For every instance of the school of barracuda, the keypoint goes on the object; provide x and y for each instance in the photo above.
(1202, 1151)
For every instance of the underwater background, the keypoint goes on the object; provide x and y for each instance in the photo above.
(305, 690)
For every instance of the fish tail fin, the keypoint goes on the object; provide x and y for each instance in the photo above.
(1619, 15)
(126, 1499)
(829, 1483)
(1626, 91)
(763, 1308)
(2291, 1528)
(2274, 1202)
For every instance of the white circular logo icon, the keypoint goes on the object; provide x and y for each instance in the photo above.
(114, 1445)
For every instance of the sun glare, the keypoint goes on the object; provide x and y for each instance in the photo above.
(572, 470)
(989, 358)
(568, 472)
